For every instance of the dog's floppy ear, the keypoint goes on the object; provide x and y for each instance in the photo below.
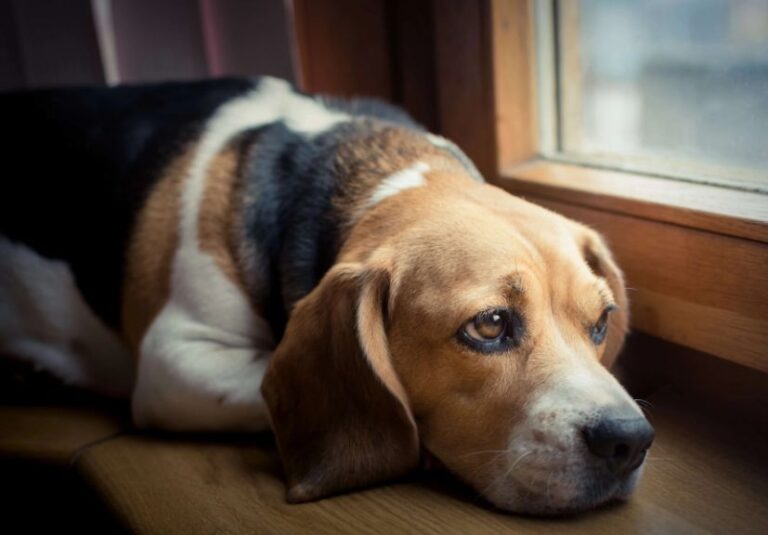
(337, 407)
(601, 262)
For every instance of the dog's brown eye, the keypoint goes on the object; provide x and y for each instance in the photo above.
(487, 326)
(492, 331)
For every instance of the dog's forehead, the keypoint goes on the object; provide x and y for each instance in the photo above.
(489, 233)
(467, 256)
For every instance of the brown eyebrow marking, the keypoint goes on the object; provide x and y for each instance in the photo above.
(515, 282)
(514, 289)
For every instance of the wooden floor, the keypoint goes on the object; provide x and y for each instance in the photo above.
(707, 473)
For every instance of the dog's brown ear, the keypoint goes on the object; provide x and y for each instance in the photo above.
(602, 264)
(337, 407)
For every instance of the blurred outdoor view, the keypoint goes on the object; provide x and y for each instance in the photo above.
(676, 87)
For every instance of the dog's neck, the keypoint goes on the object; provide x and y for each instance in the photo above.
(301, 196)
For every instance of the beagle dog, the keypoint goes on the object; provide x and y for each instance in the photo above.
(238, 256)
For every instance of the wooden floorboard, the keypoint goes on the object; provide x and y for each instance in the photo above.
(706, 474)
(53, 434)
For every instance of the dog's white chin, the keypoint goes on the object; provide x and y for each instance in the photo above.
(558, 497)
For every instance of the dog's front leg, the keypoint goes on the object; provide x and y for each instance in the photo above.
(196, 377)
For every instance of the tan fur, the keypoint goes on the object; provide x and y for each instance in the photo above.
(155, 237)
(373, 157)
(330, 394)
(370, 369)
(601, 263)
(218, 221)
(150, 253)
(468, 404)
(449, 250)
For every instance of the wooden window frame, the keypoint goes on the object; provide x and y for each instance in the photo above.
(695, 256)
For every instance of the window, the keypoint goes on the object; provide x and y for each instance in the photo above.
(675, 88)
(693, 252)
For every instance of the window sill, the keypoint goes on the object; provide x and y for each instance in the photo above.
(742, 214)
(695, 256)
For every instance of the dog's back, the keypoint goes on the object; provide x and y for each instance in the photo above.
(82, 167)
(78, 163)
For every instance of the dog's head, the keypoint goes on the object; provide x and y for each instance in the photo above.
(476, 326)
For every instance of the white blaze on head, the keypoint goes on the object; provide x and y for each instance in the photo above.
(412, 177)
(452, 148)
(439, 141)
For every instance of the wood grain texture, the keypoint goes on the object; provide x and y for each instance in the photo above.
(53, 434)
(649, 364)
(378, 48)
(694, 288)
(464, 80)
(725, 211)
(486, 72)
(514, 81)
(414, 59)
(705, 474)
(343, 47)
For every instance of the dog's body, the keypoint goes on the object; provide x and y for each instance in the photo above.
(207, 222)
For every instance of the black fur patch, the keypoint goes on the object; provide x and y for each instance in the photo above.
(79, 162)
(293, 179)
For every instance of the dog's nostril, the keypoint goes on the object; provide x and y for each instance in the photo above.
(621, 442)
(621, 451)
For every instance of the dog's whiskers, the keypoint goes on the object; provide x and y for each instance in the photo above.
(495, 458)
(517, 461)
(644, 403)
(645, 406)
(484, 491)
(481, 452)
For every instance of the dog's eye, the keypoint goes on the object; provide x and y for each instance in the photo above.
(492, 331)
(487, 326)
(600, 329)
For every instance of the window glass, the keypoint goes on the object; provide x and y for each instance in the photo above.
(674, 87)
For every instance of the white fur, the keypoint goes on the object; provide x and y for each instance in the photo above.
(439, 141)
(547, 462)
(271, 101)
(44, 320)
(412, 177)
(450, 146)
(204, 357)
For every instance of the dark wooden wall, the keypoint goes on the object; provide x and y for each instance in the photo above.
(382, 48)
(430, 56)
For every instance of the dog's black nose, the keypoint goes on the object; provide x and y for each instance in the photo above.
(621, 442)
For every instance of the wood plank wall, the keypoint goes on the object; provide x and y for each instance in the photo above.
(379, 48)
